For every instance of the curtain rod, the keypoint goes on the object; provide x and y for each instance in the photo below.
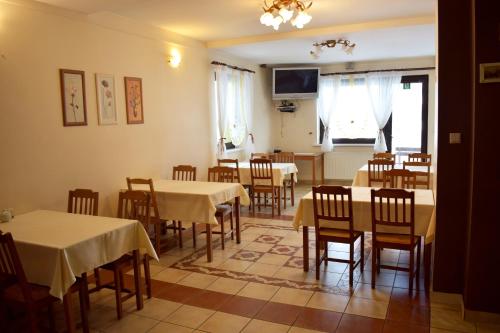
(381, 70)
(232, 67)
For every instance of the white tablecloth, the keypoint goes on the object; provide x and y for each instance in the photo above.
(280, 170)
(361, 178)
(194, 201)
(361, 197)
(56, 247)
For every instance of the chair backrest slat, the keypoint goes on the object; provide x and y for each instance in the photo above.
(326, 196)
(420, 157)
(152, 194)
(400, 178)
(384, 156)
(376, 169)
(184, 173)
(261, 172)
(232, 163)
(135, 205)
(423, 177)
(222, 174)
(399, 201)
(284, 157)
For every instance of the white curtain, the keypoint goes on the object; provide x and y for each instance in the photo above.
(328, 95)
(381, 87)
(247, 107)
(222, 76)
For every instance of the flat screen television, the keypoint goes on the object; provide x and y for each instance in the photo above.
(295, 83)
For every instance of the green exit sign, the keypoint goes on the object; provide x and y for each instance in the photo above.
(407, 85)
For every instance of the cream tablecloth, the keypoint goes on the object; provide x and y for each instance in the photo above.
(361, 196)
(280, 170)
(361, 177)
(195, 201)
(56, 247)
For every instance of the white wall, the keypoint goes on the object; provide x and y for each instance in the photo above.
(41, 159)
(298, 131)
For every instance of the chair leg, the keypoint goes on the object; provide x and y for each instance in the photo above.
(147, 275)
(318, 259)
(374, 264)
(417, 273)
(351, 264)
(84, 281)
(118, 292)
(412, 268)
(231, 224)
(222, 234)
(193, 226)
(157, 228)
(83, 295)
(252, 199)
(326, 253)
(52, 321)
(273, 197)
(378, 260)
(33, 318)
(179, 228)
(284, 194)
(362, 252)
(279, 201)
(97, 277)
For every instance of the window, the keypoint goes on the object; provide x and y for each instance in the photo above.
(352, 121)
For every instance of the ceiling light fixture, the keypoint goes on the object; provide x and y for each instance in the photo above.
(285, 11)
(347, 46)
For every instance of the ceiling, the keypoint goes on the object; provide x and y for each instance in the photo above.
(230, 22)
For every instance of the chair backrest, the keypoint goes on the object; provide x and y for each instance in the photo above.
(11, 268)
(152, 194)
(184, 172)
(332, 203)
(400, 178)
(232, 163)
(222, 174)
(261, 155)
(394, 208)
(284, 157)
(384, 156)
(423, 176)
(83, 201)
(376, 170)
(261, 172)
(135, 205)
(420, 157)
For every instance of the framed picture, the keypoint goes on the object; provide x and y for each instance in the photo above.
(73, 97)
(106, 101)
(133, 100)
(489, 72)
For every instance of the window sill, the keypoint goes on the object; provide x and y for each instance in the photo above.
(348, 145)
(234, 150)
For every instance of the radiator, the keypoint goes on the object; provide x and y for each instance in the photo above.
(344, 164)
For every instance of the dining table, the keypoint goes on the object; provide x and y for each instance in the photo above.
(425, 220)
(361, 177)
(196, 201)
(57, 247)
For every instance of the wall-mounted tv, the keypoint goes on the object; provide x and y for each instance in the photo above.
(295, 83)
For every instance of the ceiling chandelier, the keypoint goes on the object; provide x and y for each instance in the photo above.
(347, 46)
(285, 11)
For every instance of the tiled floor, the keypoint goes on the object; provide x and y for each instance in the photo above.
(259, 286)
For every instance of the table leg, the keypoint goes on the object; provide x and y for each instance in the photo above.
(292, 190)
(322, 168)
(68, 312)
(237, 218)
(209, 242)
(427, 266)
(305, 246)
(314, 170)
(137, 279)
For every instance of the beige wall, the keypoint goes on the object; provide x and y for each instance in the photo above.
(41, 159)
(298, 131)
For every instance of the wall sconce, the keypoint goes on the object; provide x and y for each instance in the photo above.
(174, 59)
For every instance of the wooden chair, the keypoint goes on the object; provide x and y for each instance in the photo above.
(261, 172)
(400, 178)
(184, 173)
(223, 174)
(376, 169)
(83, 201)
(384, 156)
(155, 220)
(133, 205)
(16, 288)
(232, 163)
(286, 157)
(333, 204)
(420, 157)
(394, 208)
(423, 177)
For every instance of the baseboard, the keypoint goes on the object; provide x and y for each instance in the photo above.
(482, 317)
(344, 182)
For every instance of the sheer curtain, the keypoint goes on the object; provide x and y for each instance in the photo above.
(222, 77)
(381, 87)
(247, 106)
(327, 101)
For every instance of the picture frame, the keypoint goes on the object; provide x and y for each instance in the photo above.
(73, 97)
(489, 72)
(106, 99)
(133, 99)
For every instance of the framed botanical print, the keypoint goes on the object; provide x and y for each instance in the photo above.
(133, 100)
(106, 101)
(73, 97)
